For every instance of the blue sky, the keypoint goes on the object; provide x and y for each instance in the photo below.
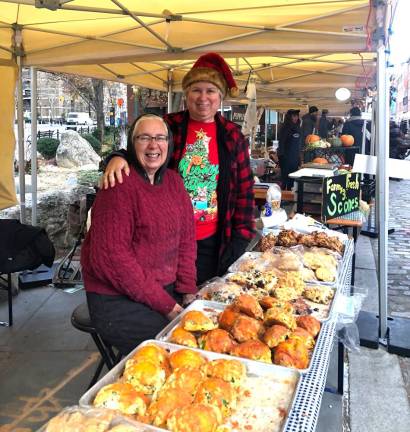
(399, 42)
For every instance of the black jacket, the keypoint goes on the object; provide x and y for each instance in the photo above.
(290, 141)
(23, 247)
(354, 127)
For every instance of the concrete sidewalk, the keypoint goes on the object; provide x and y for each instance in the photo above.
(377, 397)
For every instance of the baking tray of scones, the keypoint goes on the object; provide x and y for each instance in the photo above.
(266, 331)
(168, 387)
(314, 264)
(307, 299)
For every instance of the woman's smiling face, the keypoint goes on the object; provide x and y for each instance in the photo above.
(203, 100)
(151, 144)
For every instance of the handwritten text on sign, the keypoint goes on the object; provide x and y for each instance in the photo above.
(340, 195)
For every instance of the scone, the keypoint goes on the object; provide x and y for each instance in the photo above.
(325, 274)
(197, 321)
(181, 336)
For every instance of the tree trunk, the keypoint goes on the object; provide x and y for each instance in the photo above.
(98, 87)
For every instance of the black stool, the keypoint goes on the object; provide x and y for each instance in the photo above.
(80, 319)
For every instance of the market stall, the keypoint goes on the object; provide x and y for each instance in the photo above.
(292, 393)
(159, 45)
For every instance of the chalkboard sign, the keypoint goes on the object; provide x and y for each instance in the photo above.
(341, 195)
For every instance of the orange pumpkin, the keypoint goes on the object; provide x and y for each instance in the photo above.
(312, 138)
(347, 140)
(320, 160)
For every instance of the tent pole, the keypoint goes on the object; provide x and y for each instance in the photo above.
(20, 129)
(382, 185)
(33, 72)
(267, 114)
(169, 87)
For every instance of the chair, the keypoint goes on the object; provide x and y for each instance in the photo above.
(80, 319)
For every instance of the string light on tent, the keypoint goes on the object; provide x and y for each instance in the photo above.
(342, 94)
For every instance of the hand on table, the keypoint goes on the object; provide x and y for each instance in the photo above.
(177, 309)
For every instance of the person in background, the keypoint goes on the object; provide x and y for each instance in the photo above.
(309, 123)
(354, 126)
(138, 258)
(324, 125)
(396, 141)
(212, 157)
(290, 146)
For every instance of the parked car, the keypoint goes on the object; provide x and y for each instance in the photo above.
(75, 119)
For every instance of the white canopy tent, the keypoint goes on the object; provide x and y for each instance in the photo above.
(300, 51)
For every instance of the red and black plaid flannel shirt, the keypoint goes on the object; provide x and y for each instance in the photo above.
(235, 181)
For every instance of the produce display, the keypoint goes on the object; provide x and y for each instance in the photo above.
(182, 390)
(347, 140)
(314, 141)
(268, 330)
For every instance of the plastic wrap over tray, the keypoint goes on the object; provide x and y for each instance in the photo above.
(76, 419)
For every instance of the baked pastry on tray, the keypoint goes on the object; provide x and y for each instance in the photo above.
(197, 321)
(253, 350)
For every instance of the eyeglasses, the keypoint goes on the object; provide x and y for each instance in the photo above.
(146, 139)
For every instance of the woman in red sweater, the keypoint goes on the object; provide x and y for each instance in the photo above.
(135, 287)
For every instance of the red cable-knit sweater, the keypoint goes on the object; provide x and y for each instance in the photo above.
(142, 237)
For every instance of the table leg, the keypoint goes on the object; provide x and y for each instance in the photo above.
(340, 367)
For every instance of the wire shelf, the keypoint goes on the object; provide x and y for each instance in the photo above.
(305, 411)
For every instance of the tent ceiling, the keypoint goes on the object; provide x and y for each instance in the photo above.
(292, 46)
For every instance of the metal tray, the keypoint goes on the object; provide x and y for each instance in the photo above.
(212, 309)
(323, 314)
(256, 369)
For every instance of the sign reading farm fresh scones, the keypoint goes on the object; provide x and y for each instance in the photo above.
(340, 195)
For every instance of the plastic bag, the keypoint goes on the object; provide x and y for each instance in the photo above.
(219, 289)
(348, 308)
(274, 196)
(78, 419)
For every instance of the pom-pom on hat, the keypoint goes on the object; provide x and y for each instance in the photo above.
(212, 68)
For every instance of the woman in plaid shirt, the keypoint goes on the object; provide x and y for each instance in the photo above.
(212, 157)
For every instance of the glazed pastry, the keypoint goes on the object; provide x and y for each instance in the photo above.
(303, 335)
(166, 402)
(186, 357)
(249, 306)
(246, 328)
(275, 334)
(292, 353)
(232, 371)
(279, 316)
(197, 321)
(309, 323)
(217, 340)
(227, 318)
(182, 337)
(185, 379)
(196, 417)
(267, 242)
(145, 376)
(217, 392)
(253, 350)
(121, 396)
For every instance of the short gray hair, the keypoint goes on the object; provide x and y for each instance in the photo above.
(148, 117)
